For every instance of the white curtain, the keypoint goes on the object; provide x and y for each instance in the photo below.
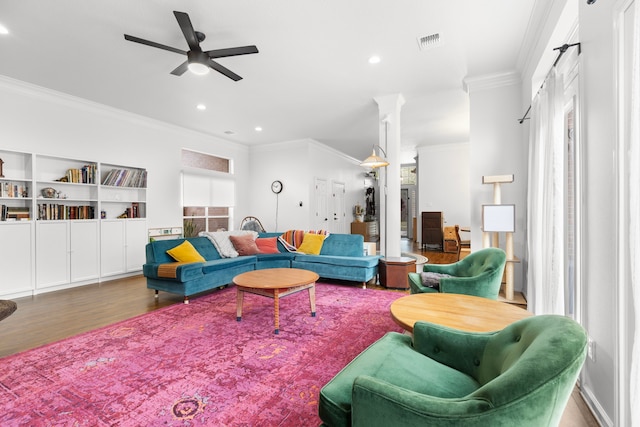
(634, 215)
(545, 200)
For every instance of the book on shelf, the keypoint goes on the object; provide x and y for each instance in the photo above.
(17, 213)
(13, 189)
(134, 178)
(52, 211)
(84, 175)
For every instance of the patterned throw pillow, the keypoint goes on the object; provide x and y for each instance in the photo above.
(292, 239)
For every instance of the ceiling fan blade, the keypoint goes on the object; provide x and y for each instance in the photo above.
(187, 30)
(232, 51)
(153, 44)
(224, 70)
(180, 69)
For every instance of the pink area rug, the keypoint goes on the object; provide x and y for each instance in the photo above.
(194, 365)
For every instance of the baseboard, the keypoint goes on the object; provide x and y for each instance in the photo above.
(596, 409)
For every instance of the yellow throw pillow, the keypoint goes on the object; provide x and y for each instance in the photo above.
(185, 252)
(312, 244)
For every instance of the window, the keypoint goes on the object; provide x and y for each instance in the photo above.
(208, 193)
(408, 175)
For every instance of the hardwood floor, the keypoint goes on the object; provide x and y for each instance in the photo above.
(53, 316)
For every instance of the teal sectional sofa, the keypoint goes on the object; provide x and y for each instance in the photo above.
(341, 258)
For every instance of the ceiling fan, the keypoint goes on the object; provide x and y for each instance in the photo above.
(198, 62)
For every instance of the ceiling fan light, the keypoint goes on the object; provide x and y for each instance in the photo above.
(198, 68)
(198, 62)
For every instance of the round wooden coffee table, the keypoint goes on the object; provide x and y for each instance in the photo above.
(275, 283)
(464, 312)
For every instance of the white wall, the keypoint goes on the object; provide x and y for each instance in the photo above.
(444, 182)
(599, 275)
(297, 164)
(41, 121)
(497, 147)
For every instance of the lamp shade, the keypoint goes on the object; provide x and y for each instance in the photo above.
(374, 161)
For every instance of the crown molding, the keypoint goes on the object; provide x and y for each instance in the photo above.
(60, 98)
(490, 81)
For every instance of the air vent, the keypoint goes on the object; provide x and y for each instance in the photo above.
(430, 41)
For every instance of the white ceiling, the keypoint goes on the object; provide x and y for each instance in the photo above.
(311, 78)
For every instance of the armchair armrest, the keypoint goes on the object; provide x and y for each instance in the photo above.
(378, 403)
(459, 350)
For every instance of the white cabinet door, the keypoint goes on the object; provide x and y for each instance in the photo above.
(52, 253)
(84, 250)
(136, 239)
(17, 260)
(112, 244)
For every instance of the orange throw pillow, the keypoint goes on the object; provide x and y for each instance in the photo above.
(267, 245)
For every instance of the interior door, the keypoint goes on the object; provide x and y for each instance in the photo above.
(321, 218)
(338, 212)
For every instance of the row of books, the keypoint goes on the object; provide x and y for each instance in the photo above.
(136, 178)
(52, 211)
(84, 175)
(13, 213)
(136, 210)
(13, 189)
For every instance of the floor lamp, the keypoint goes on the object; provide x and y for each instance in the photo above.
(374, 161)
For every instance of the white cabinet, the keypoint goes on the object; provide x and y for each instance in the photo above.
(83, 252)
(135, 242)
(66, 252)
(122, 246)
(66, 222)
(17, 259)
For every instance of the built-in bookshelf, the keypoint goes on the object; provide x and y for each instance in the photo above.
(16, 172)
(76, 210)
(66, 189)
(122, 192)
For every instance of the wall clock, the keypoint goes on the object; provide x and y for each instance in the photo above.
(276, 187)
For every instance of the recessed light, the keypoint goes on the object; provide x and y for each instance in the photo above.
(201, 107)
(3, 29)
(374, 59)
(258, 129)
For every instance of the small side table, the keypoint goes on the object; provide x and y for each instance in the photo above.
(394, 271)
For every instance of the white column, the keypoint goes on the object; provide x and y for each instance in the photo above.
(389, 136)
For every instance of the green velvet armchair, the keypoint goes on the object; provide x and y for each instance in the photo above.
(520, 376)
(478, 274)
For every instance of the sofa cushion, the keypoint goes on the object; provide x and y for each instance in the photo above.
(342, 261)
(225, 263)
(245, 244)
(185, 252)
(350, 245)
